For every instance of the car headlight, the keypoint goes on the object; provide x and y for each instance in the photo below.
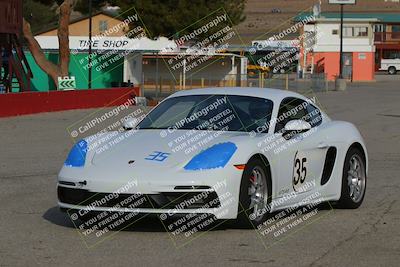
(77, 155)
(213, 157)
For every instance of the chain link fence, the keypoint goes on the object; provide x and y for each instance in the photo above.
(164, 86)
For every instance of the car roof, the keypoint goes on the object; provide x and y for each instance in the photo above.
(275, 95)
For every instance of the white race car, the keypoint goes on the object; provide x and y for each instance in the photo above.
(234, 153)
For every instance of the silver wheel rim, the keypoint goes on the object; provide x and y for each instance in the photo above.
(356, 178)
(258, 192)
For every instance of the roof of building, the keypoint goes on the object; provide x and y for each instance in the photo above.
(382, 17)
(360, 20)
(55, 26)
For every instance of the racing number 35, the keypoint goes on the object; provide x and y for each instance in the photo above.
(299, 170)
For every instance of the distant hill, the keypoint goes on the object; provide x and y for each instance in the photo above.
(265, 17)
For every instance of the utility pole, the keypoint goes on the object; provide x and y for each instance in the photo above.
(90, 47)
(340, 83)
(341, 42)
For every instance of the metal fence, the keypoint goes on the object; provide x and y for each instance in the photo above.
(165, 85)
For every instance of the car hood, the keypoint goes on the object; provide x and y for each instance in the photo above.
(159, 148)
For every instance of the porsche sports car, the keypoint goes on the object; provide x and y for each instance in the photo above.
(234, 153)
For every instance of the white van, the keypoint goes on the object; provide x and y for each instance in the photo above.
(390, 65)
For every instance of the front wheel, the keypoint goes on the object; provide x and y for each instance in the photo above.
(354, 180)
(254, 192)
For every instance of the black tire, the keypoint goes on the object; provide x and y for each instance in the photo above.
(245, 217)
(348, 199)
(392, 70)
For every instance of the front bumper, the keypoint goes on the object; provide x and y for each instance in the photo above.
(168, 193)
(222, 205)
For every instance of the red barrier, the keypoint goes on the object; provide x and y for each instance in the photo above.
(13, 104)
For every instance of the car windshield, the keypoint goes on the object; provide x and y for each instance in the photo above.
(211, 112)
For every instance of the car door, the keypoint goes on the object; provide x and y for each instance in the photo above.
(301, 156)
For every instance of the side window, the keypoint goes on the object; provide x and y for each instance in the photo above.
(297, 109)
(314, 115)
(290, 109)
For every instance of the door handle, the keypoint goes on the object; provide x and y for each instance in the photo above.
(322, 145)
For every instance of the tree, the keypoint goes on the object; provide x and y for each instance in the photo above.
(39, 15)
(82, 6)
(53, 70)
(170, 17)
(47, 2)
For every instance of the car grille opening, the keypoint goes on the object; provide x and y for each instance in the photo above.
(191, 187)
(164, 200)
(67, 183)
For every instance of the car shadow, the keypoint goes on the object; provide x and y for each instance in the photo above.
(145, 223)
(55, 216)
(151, 222)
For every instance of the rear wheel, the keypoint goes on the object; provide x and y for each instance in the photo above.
(254, 194)
(354, 180)
(392, 70)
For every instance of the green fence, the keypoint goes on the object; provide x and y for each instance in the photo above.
(103, 75)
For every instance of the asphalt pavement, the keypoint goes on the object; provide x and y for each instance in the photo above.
(33, 232)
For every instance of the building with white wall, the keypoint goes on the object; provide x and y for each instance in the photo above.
(320, 48)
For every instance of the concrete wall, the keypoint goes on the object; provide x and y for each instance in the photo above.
(363, 65)
(133, 68)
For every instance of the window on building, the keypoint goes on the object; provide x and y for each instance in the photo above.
(335, 32)
(360, 31)
(347, 31)
(355, 31)
(395, 32)
(103, 26)
(379, 28)
(395, 28)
